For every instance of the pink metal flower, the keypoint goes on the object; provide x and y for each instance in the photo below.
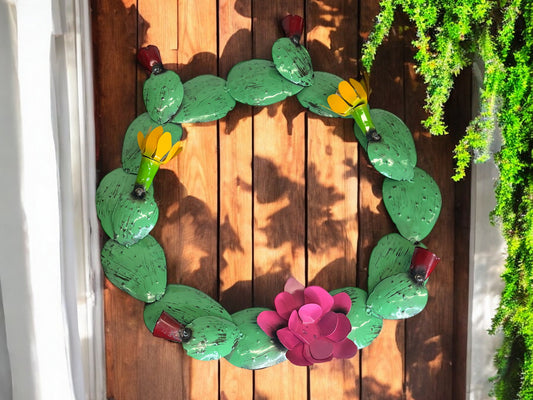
(310, 323)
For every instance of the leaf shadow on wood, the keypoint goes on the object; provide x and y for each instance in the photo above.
(287, 223)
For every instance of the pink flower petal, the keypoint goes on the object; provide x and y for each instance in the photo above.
(342, 328)
(286, 302)
(296, 356)
(328, 323)
(305, 332)
(318, 295)
(269, 321)
(292, 285)
(287, 338)
(344, 349)
(309, 356)
(321, 349)
(342, 303)
(309, 313)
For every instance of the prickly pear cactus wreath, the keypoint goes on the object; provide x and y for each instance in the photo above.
(309, 325)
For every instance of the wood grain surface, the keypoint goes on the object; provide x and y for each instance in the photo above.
(270, 192)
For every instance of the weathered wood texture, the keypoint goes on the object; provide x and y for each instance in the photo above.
(270, 192)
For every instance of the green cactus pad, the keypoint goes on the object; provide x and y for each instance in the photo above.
(258, 83)
(124, 218)
(255, 349)
(139, 270)
(205, 99)
(394, 155)
(314, 97)
(365, 325)
(293, 62)
(413, 206)
(131, 154)
(184, 304)
(133, 219)
(391, 256)
(397, 297)
(212, 338)
(162, 94)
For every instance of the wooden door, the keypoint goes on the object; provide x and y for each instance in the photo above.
(270, 192)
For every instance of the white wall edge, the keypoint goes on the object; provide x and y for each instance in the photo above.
(487, 258)
(90, 300)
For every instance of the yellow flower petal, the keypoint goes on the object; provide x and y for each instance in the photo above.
(140, 141)
(163, 146)
(151, 141)
(174, 151)
(338, 104)
(348, 93)
(360, 90)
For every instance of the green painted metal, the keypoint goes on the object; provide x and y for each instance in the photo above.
(397, 297)
(131, 154)
(205, 99)
(364, 122)
(314, 97)
(162, 94)
(413, 206)
(212, 338)
(124, 218)
(255, 349)
(365, 325)
(391, 256)
(133, 219)
(293, 62)
(184, 304)
(139, 270)
(395, 154)
(258, 83)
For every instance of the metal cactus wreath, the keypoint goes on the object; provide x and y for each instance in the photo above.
(309, 325)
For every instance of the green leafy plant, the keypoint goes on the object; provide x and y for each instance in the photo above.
(451, 35)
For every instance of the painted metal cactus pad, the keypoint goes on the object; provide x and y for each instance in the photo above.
(391, 256)
(314, 97)
(205, 99)
(139, 270)
(255, 349)
(365, 325)
(394, 155)
(162, 94)
(258, 83)
(413, 206)
(212, 338)
(293, 61)
(397, 297)
(124, 218)
(131, 154)
(184, 304)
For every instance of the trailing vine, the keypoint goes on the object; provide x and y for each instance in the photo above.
(450, 37)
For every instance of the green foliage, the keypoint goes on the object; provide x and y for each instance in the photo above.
(451, 36)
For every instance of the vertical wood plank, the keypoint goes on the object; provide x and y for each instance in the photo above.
(428, 341)
(235, 229)
(114, 68)
(332, 184)
(198, 172)
(279, 198)
(382, 367)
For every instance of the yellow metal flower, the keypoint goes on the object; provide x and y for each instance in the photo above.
(156, 149)
(351, 100)
(157, 145)
(350, 95)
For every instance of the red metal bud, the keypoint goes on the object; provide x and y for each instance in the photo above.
(422, 264)
(293, 26)
(168, 328)
(150, 58)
